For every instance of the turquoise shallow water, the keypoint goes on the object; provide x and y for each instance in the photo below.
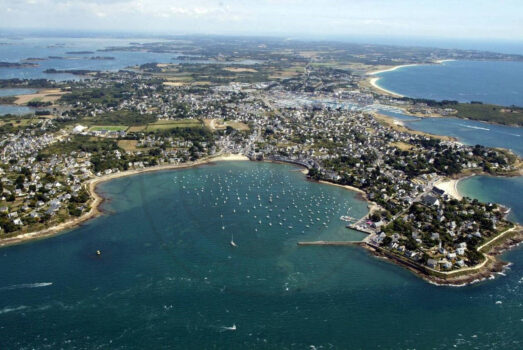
(168, 278)
(507, 191)
(490, 82)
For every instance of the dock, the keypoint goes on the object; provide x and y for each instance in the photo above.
(360, 229)
(331, 243)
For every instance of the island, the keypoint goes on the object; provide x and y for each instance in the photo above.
(18, 65)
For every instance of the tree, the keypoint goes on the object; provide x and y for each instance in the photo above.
(375, 217)
(20, 181)
(314, 173)
(474, 256)
(386, 241)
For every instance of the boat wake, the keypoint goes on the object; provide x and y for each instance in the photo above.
(10, 309)
(225, 328)
(27, 285)
(474, 127)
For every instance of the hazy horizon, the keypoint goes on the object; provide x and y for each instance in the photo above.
(501, 46)
(445, 19)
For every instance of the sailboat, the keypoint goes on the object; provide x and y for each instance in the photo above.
(232, 241)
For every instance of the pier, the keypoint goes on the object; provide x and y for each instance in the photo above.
(360, 229)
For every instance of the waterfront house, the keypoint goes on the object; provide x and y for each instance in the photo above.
(432, 263)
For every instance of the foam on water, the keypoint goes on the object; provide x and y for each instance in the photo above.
(27, 285)
(474, 127)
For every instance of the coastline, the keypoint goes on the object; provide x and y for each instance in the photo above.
(347, 187)
(450, 187)
(400, 126)
(373, 80)
(376, 72)
(97, 200)
(491, 266)
(374, 83)
(485, 270)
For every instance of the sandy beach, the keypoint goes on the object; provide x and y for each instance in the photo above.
(347, 187)
(400, 126)
(450, 186)
(97, 199)
(393, 68)
(374, 83)
(43, 95)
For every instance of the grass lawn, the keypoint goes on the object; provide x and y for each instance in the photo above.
(171, 124)
(219, 124)
(108, 127)
(402, 146)
(128, 145)
(237, 125)
(137, 128)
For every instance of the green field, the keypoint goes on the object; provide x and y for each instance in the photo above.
(490, 113)
(108, 127)
(171, 124)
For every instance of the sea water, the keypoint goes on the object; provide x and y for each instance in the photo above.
(496, 82)
(469, 132)
(168, 277)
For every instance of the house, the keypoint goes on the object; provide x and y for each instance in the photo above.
(438, 191)
(432, 263)
(446, 264)
(430, 200)
(460, 251)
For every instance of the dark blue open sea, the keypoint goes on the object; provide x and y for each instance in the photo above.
(168, 277)
(497, 82)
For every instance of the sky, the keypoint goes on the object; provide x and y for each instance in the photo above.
(464, 19)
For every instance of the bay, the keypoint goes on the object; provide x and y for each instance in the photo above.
(168, 278)
(469, 132)
(503, 190)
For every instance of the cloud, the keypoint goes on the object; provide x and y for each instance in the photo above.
(443, 18)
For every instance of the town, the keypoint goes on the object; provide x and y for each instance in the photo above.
(325, 119)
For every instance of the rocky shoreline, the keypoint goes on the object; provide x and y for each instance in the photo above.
(493, 267)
